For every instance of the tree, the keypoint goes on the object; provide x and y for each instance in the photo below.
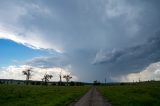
(67, 77)
(28, 74)
(46, 78)
(96, 82)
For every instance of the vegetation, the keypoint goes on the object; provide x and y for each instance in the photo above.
(67, 77)
(46, 78)
(28, 74)
(31, 95)
(137, 94)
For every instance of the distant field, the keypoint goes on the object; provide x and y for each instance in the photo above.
(140, 94)
(23, 95)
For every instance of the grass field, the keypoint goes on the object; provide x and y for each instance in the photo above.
(140, 94)
(23, 95)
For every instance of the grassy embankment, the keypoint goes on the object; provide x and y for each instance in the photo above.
(23, 95)
(139, 94)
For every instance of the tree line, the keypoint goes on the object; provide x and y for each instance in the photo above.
(47, 77)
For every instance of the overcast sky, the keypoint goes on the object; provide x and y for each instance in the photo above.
(90, 39)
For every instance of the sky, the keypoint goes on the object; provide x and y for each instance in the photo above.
(116, 40)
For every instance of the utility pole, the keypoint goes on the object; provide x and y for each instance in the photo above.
(139, 76)
(60, 77)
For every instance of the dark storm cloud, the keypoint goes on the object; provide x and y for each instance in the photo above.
(78, 29)
(131, 59)
(48, 62)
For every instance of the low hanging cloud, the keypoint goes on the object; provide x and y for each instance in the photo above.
(152, 72)
(131, 59)
(47, 62)
(15, 72)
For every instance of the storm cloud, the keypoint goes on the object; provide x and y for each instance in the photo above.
(131, 59)
(92, 38)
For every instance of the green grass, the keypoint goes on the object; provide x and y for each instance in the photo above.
(142, 94)
(23, 95)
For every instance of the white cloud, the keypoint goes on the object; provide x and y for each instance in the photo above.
(15, 72)
(13, 25)
(152, 72)
(33, 40)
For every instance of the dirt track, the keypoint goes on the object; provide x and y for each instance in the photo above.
(91, 98)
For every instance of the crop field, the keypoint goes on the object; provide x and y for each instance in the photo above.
(36, 95)
(138, 94)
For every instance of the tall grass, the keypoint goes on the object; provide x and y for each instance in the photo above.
(23, 95)
(142, 94)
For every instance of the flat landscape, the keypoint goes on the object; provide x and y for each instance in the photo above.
(137, 94)
(119, 94)
(34, 95)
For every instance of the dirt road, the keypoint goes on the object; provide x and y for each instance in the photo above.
(91, 98)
